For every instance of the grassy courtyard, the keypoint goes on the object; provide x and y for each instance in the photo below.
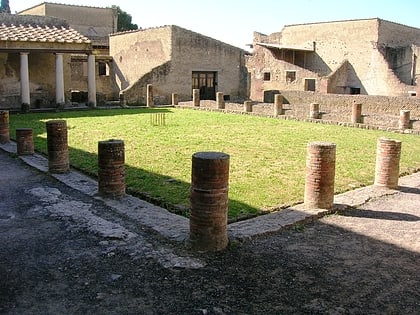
(267, 156)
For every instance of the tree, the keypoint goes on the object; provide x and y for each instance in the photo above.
(124, 20)
(4, 8)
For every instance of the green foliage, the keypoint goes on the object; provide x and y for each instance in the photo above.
(267, 156)
(124, 20)
(4, 8)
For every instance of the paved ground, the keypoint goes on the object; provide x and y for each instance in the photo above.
(65, 251)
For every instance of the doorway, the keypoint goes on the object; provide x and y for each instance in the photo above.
(205, 81)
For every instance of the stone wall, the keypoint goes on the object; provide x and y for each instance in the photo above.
(167, 56)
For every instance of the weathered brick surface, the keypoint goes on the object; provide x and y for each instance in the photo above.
(111, 168)
(57, 144)
(209, 200)
(320, 173)
(25, 141)
(387, 168)
(4, 126)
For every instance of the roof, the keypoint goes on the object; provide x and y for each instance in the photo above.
(306, 47)
(26, 32)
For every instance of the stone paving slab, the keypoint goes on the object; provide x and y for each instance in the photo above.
(176, 228)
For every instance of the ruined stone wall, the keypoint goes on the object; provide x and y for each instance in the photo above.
(361, 42)
(167, 56)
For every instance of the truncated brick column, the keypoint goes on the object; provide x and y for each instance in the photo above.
(220, 101)
(320, 173)
(314, 111)
(356, 113)
(196, 97)
(248, 106)
(387, 163)
(58, 152)
(24, 141)
(404, 122)
(149, 93)
(174, 99)
(4, 126)
(278, 104)
(111, 168)
(209, 201)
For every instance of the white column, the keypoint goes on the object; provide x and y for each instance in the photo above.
(24, 79)
(91, 81)
(59, 79)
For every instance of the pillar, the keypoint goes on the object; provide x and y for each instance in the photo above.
(24, 79)
(4, 127)
(220, 100)
(209, 201)
(24, 141)
(320, 173)
(196, 97)
(404, 121)
(59, 79)
(356, 113)
(174, 99)
(149, 95)
(314, 111)
(58, 153)
(278, 104)
(91, 81)
(111, 168)
(387, 168)
(248, 106)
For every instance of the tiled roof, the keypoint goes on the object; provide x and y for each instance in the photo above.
(42, 34)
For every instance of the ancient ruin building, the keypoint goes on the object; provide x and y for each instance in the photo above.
(35, 53)
(368, 56)
(176, 60)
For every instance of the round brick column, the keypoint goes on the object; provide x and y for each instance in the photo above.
(278, 104)
(320, 173)
(220, 101)
(314, 111)
(196, 97)
(58, 152)
(356, 113)
(209, 201)
(174, 99)
(387, 168)
(149, 93)
(111, 168)
(404, 122)
(4, 126)
(248, 106)
(24, 141)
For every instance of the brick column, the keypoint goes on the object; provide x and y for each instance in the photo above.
(320, 173)
(387, 168)
(278, 104)
(209, 201)
(220, 101)
(404, 122)
(111, 168)
(174, 99)
(58, 153)
(314, 111)
(356, 113)
(196, 97)
(25, 141)
(4, 127)
(149, 92)
(248, 106)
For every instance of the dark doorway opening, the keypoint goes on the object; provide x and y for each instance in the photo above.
(206, 82)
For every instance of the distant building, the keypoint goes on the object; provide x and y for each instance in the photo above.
(35, 53)
(176, 60)
(369, 56)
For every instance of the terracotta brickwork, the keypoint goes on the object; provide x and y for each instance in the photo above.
(57, 145)
(4, 126)
(387, 163)
(25, 141)
(209, 200)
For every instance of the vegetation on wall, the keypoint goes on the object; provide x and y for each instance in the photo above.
(4, 8)
(124, 20)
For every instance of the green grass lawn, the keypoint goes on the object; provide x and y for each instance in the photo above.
(267, 156)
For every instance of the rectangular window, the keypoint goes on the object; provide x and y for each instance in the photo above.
(290, 76)
(103, 69)
(267, 76)
(310, 85)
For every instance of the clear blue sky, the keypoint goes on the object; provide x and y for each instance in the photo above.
(234, 21)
